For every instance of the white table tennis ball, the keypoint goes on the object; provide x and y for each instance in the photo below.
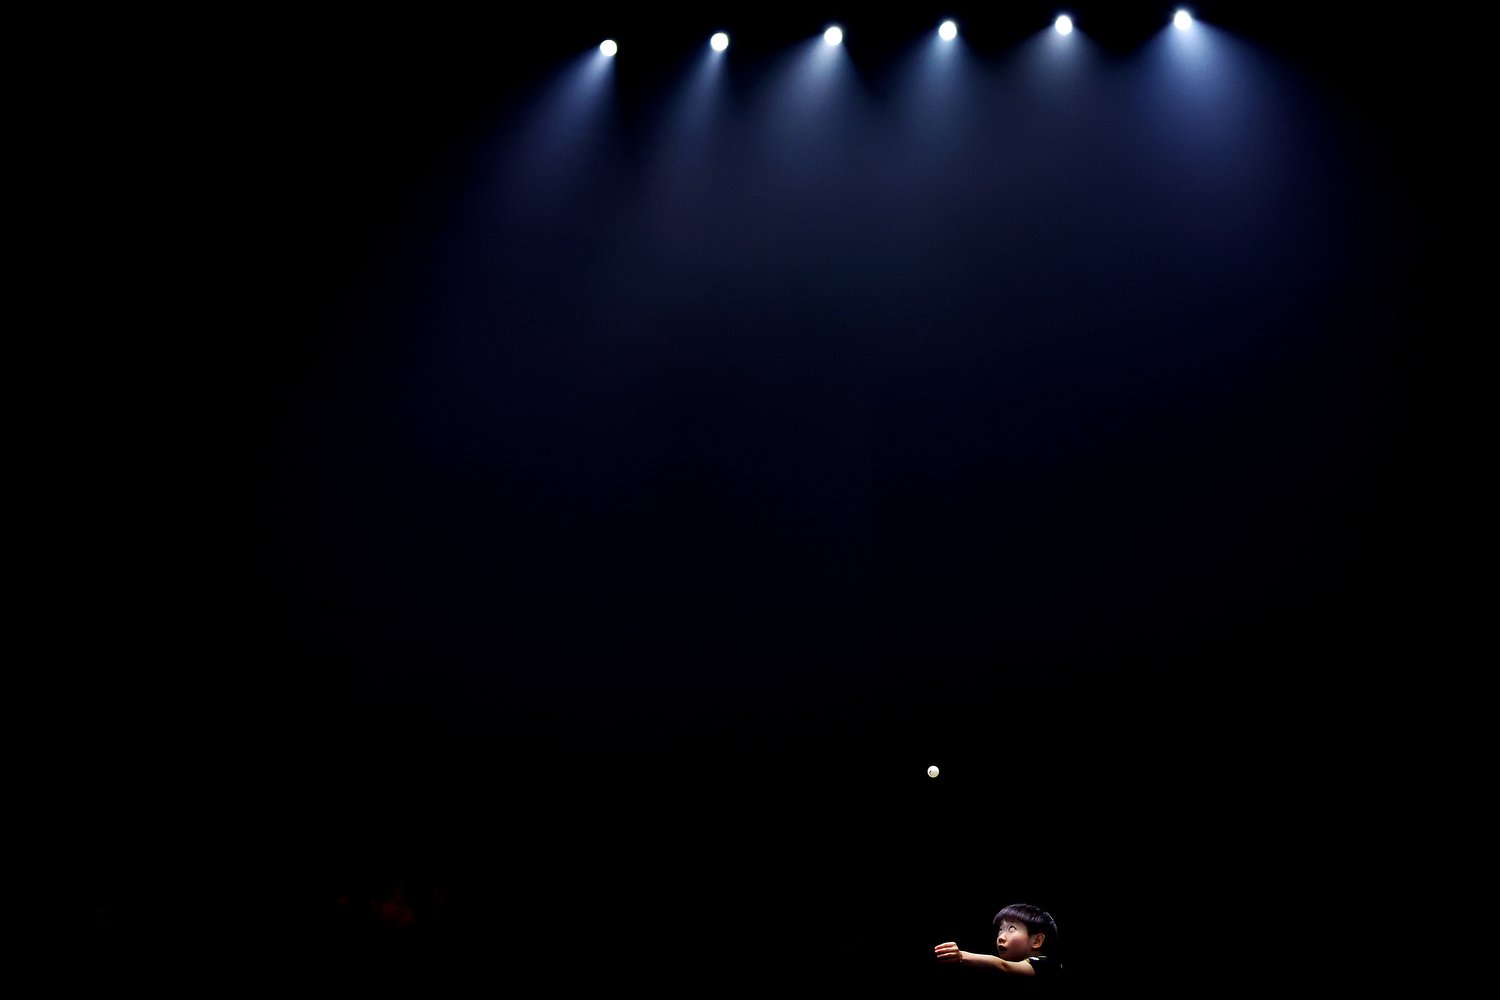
(932, 772)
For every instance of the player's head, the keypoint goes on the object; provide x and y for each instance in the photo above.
(1023, 930)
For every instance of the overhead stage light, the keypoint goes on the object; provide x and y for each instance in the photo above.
(720, 42)
(948, 31)
(1064, 25)
(608, 47)
(834, 35)
(1182, 20)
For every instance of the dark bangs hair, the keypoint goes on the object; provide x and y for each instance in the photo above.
(1036, 919)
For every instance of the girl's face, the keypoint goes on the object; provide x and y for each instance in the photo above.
(1013, 943)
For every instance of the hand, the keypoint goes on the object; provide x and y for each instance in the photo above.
(948, 952)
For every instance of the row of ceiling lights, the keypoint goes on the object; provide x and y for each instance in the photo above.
(948, 31)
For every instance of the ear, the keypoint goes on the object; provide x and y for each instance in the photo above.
(1036, 941)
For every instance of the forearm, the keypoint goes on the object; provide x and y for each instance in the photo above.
(995, 962)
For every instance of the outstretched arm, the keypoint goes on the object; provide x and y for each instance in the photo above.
(949, 952)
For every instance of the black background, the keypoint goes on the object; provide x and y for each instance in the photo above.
(642, 736)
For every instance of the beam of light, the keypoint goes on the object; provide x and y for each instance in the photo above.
(608, 47)
(686, 128)
(948, 31)
(1063, 24)
(834, 35)
(558, 143)
(1182, 20)
(935, 76)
